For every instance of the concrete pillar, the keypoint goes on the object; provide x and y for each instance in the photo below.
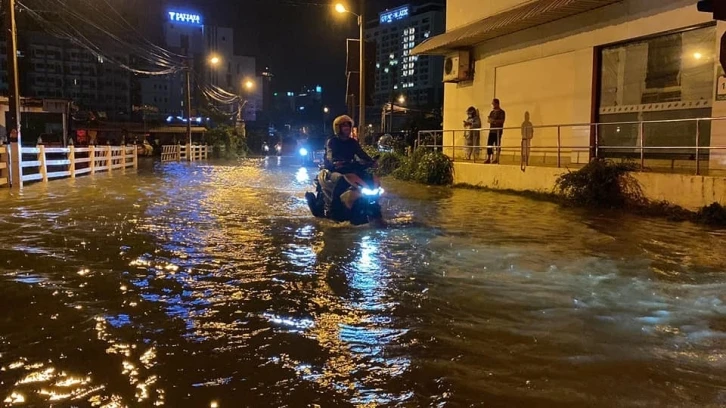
(16, 166)
(717, 160)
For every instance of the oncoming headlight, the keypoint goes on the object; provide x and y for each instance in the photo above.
(303, 152)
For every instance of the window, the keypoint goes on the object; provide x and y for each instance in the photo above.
(646, 79)
(664, 62)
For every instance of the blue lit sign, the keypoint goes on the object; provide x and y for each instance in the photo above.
(394, 15)
(319, 89)
(185, 18)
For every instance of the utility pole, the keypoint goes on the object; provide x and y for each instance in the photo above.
(13, 126)
(188, 103)
(362, 73)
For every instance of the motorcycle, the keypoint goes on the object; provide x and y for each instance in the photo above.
(265, 149)
(278, 149)
(354, 198)
(306, 155)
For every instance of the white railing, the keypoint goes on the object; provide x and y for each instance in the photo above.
(685, 146)
(57, 162)
(184, 152)
(4, 173)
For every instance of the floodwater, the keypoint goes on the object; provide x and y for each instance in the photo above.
(209, 285)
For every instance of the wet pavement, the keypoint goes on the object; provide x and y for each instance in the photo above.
(210, 285)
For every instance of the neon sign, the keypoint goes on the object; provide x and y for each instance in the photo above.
(395, 15)
(185, 18)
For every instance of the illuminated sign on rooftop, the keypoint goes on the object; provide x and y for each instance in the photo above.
(176, 17)
(395, 14)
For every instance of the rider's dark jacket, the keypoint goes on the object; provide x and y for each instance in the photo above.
(346, 151)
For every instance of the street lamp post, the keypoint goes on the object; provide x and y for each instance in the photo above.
(325, 119)
(13, 126)
(340, 8)
(362, 72)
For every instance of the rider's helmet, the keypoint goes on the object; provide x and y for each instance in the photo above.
(339, 121)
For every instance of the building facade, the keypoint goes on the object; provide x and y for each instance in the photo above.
(610, 62)
(399, 73)
(210, 53)
(56, 68)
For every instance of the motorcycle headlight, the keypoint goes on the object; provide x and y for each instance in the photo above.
(267, 149)
(371, 192)
(303, 152)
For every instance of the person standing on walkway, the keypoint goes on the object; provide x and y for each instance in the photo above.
(473, 136)
(527, 135)
(496, 124)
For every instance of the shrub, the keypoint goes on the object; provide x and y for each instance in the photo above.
(427, 167)
(388, 163)
(602, 183)
(233, 142)
(714, 214)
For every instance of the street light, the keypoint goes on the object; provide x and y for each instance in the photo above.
(214, 60)
(326, 110)
(340, 8)
(401, 99)
(249, 84)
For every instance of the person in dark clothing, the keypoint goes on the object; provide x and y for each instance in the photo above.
(496, 124)
(342, 152)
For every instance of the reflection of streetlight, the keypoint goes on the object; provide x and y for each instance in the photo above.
(697, 55)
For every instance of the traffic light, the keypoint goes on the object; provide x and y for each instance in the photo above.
(717, 7)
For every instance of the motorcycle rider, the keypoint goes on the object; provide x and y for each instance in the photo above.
(341, 152)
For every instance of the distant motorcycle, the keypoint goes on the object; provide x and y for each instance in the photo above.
(306, 155)
(355, 199)
(278, 149)
(266, 149)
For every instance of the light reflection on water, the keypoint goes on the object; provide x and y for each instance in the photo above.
(196, 285)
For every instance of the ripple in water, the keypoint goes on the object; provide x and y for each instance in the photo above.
(210, 285)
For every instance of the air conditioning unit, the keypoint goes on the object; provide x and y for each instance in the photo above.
(457, 67)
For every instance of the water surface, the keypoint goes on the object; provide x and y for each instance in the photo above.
(194, 285)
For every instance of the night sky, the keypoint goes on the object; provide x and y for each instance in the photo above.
(302, 41)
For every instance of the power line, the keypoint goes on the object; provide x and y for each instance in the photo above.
(69, 32)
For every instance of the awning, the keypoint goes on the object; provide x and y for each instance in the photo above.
(520, 18)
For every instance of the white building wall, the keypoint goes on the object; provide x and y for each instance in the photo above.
(549, 70)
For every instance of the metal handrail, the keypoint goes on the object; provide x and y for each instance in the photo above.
(567, 125)
(596, 147)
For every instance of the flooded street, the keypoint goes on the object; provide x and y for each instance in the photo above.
(211, 285)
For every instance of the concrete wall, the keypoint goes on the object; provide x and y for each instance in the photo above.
(549, 70)
(718, 128)
(690, 192)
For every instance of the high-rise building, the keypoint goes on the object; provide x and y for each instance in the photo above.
(210, 54)
(56, 68)
(416, 78)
